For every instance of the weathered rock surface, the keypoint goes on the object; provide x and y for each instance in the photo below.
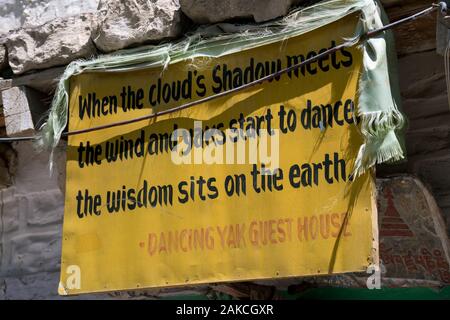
(15, 14)
(55, 43)
(126, 23)
(425, 103)
(212, 11)
(22, 109)
(411, 231)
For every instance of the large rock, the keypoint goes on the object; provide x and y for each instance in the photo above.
(125, 23)
(55, 43)
(212, 11)
(15, 14)
(3, 58)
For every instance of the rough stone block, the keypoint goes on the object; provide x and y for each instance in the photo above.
(22, 109)
(39, 286)
(212, 11)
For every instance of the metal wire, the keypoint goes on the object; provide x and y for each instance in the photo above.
(441, 5)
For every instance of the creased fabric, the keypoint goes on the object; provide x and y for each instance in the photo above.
(378, 97)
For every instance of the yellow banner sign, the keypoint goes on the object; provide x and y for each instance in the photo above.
(254, 185)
